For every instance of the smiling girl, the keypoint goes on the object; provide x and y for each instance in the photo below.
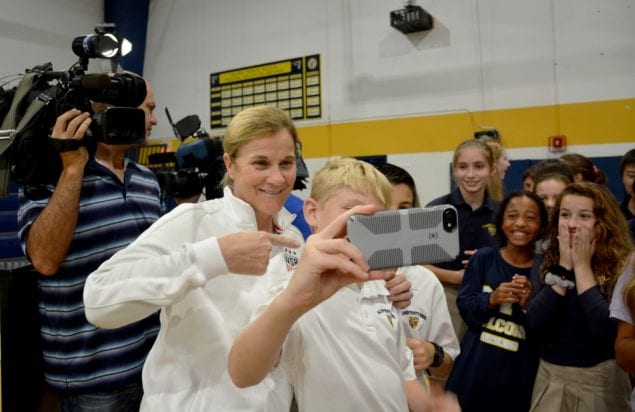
(589, 245)
(472, 167)
(497, 363)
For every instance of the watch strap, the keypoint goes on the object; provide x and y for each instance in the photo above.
(438, 355)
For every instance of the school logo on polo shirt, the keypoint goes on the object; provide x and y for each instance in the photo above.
(415, 319)
(390, 317)
(491, 228)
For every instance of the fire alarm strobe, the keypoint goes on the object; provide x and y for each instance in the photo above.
(557, 144)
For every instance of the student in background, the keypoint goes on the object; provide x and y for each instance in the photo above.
(528, 178)
(497, 365)
(546, 166)
(548, 188)
(623, 310)
(627, 171)
(472, 167)
(583, 168)
(338, 339)
(427, 323)
(495, 186)
(551, 178)
(553, 174)
(569, 314)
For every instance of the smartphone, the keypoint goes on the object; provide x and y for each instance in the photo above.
(406, 237)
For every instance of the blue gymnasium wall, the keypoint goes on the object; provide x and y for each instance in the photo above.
(131, 18)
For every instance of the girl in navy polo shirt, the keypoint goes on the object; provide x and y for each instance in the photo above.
(498, 360)
(472, 167)
(588, 247)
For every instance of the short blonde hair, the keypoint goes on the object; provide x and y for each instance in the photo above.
(349, 173)
(254, 123)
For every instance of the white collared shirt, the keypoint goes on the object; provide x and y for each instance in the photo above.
(349, 353)
(177, 266)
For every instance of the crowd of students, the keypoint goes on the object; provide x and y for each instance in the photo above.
(536, 312)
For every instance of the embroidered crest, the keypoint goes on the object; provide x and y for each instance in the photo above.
(415, 319)
(491, 228)
(390, 316)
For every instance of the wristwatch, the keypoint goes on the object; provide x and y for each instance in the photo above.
(438, 356)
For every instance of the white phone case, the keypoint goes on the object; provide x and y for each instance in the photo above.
(406, 237)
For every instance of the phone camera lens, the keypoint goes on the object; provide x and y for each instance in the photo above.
(449, 220)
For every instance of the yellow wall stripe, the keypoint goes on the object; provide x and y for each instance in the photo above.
(582, 123)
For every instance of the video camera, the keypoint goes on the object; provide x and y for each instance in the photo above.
(26, 152)
(199, 166)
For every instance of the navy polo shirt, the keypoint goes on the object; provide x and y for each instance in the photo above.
(477, 228)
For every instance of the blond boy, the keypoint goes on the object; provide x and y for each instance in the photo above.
(349, 351)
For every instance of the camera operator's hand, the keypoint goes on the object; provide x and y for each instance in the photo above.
(72, 125)
(52, 232)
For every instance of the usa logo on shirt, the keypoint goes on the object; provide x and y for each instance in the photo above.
(290, 258)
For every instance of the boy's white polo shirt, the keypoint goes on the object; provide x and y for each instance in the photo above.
(427, 317)
(349, 353)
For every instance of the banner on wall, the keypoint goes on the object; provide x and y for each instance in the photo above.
(292, 85)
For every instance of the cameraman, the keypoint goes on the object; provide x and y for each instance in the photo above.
(99, 205)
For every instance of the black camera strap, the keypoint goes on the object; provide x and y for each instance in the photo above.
(65, 145)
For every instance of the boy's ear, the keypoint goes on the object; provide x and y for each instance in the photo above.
(309, 209)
